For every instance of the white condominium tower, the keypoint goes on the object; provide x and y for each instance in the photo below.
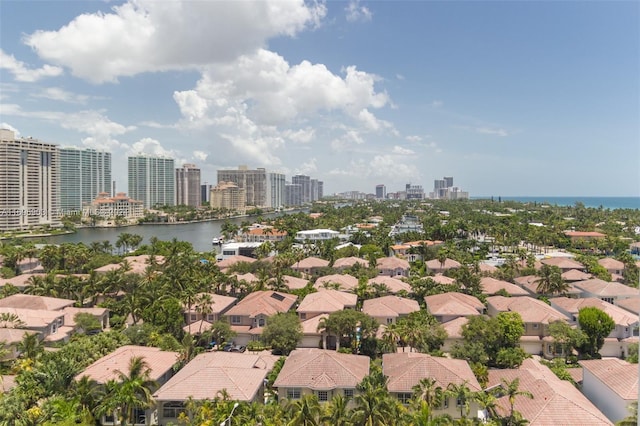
(152, 180)
(188, 191)
(29, 183)
(84, 174)
(275, 190)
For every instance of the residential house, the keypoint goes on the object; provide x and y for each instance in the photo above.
(325, 302)
(348, 262)
(573, 275)
(310, 266)
(294, 283)
(564, 263)
(132, 264)
(388, 309)
(207, 307)
(315, 235)
(249, 316)
(614, 267)
(611, 292)
(442, 279)
(100, 314)
(343, 282)
(393, 285)
(262, 234)
(626, 323)
(392, 267)
(435, 266)
(320, 372)
(240, 375)
(536, 316)
(411, 250)
(230, 261)
(486, 268)
(491, 286)
(611, 384)
(405, 370)
(105, 369)
(454, 333)
(576, 236)
(531, 283)
(631, 304)
(554, 402)
(314, 336)
(11, 337)
(449, 306)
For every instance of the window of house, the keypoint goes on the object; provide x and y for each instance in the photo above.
(303, 315)
(348, 393)
(235, 319)
(210, 317)
(459, 402)
(323, 396)
(193, 317)
(389, 321)
(261, 322)
(293, 393)
(535, 326)
(608, 299)
(54, 327)
(404, 397)
(444, 404)
(172, 409)
(60, 322)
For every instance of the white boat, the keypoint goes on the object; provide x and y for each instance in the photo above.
(216, 241)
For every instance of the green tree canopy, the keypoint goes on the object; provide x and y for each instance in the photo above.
(282, 332)
(596, 324)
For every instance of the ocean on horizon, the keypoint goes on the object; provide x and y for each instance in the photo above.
(594, 202)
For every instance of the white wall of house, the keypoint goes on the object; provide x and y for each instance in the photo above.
(607, 401)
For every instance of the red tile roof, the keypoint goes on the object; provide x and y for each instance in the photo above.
(618, 375)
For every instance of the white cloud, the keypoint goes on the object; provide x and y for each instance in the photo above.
(398, 150)
(400, 76)
(492, 131)
(437, 103)
(22, 73)
(307, 168)
(303, 136)
(148, 35)
(380, 166)
(151, 146)
(200, 155)
(58, 94)
(413, 138)
(355, 12)
(7, 126)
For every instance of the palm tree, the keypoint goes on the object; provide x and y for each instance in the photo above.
(133, 390)
(550, 281)
(463, 396)
(373, 407)
(510, 389)
(305, 411)
(30, 346)
(336, 411)
(488, 402)
(429, 391)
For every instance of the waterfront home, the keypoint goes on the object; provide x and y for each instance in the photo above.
(611, 385)
(107, 368)
(626, 324)
(319, 372)
(437, 267)
(536, 316)
(343, 282)
(406, 370)
(554, 402)
(249, 316)
(261, 234)
(449, 306)
(315, 235)
(348, 262)
(240, 375)
(388, 309)
(392, 267)
(325, 302)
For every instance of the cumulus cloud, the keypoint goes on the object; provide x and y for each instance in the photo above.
(413, 138)
(307, 168)
(398, 150)
(58, 94)
(7, 126)
(151, 146)
(148, 35)
(21, 72)
(492, 131)
(200, 155)
(356, 12)
(380, 166)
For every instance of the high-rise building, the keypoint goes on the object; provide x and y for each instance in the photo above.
(381, 192)
(313, 190)
(414, 192)
(229, 196)
(320, 189)
(444, 189)
(84, 174)
(305, 184)
(275, 190)
(205, 193)
(30, 189)
(152, 180)
(253, 181)
(293, 194)
(188, 186)
(448, 181)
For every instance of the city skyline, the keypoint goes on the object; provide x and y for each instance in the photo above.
(512, 98)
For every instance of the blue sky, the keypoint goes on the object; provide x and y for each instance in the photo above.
(510, 98)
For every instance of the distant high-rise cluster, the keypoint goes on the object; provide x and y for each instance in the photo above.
(443, 189)
(152, 180)
(188, 186)
(84, 174)
(303, 189)
(381, 192)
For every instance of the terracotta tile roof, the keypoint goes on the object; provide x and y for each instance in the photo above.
(583, 234)
(21, 280)
(442, 279)
(138, 264)
(70, 313)
(485, 267)
(618, 375)
(263, 302)
(391, 263)
(327, 301)
(575, 275)
(310, 262)
(27, 301)
(319, 369)
(492, 286)
(562, 263)
(268, 231)
(197, 327)
(573, 306)
(448, 264)
(531, 310)
(294, 283)
(389, 306)
(346, 282)
(219, 303)
(609, 263)
(34, 318)
(11, 336)
(7, 383)
(393, 284)
(603, 288)
(405, 370)
(347, 262)
(230, 261)
(106, 368)
(453, 303)
(211, 372)
(530, 283)
(310, 326)
(555, 401)
(632, 304)
(248, 277)
(454, 327)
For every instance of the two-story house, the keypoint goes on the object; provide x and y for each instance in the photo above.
(392, 267)
(449, 306)
(388, 309)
